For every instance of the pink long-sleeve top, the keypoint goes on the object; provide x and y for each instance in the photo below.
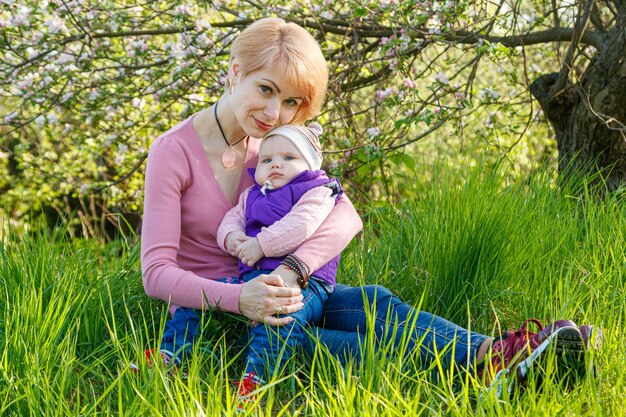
(183, 208)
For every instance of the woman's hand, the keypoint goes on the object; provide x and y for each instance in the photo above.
(266, 299)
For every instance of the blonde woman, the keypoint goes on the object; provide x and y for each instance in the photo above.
(195, 174)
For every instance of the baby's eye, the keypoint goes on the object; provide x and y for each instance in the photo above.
(266, 160)
(289, 158)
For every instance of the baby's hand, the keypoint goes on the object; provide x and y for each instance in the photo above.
(250, 251)
(233, 240)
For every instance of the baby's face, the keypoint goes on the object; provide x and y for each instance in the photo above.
(279, 161)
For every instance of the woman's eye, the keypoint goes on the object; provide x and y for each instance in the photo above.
(265, 89)
(292, 103)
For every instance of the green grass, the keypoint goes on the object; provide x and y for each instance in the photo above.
(475, 248)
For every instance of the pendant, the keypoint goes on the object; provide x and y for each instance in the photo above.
(229, 157)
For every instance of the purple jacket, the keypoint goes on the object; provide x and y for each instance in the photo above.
(264, 210)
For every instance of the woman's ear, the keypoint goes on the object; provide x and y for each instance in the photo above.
(233, 73)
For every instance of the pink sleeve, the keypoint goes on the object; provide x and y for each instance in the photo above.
(333, 235)
(167, 175)
(305, 217)
(234, 221)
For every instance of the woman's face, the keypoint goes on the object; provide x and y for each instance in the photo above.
(262, 100)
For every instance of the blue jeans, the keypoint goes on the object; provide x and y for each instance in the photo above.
(269, 347)
(345, 322)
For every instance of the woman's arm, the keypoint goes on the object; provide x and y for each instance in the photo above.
(167, 175)
(332, 237)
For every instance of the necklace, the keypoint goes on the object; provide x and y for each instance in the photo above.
(229, 157)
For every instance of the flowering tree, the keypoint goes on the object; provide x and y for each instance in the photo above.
(86, 86)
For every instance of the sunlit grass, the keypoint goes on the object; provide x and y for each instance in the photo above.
(483, 251)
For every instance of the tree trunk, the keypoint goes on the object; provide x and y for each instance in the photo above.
(589, 118)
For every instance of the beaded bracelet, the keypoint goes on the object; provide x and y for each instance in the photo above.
(294, 263)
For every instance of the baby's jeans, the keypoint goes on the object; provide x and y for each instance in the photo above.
(269, 347)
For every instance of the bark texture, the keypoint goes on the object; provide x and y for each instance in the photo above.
(589, 117)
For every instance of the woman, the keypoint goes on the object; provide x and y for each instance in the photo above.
(195, 173)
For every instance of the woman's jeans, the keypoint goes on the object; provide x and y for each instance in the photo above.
(269, 347)
(342, 329)
(349, 311)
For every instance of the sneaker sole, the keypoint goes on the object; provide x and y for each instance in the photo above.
(569, 346)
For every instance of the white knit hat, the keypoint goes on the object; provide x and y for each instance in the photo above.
(305, 138)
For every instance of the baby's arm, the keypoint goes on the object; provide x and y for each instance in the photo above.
(231, 232)
(305, 217)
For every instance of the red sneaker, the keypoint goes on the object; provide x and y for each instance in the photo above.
(245, 390)
(169, 362)
(519, 351)
(592, 336)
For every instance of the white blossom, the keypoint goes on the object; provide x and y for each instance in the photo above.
(489, 93)
(197, 98)
(52, 118)
(202, 24)
(21, 17)
(138, 103)
(9, 117)
(64, 58)
(55, 24)
(373, 132)
(204, 40)
(31, 53)
(441, 78)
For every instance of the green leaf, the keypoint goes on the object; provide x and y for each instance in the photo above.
(402, 159)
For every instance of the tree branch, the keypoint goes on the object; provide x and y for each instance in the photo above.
(580, 27)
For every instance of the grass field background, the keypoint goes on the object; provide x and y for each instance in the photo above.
(472, 246)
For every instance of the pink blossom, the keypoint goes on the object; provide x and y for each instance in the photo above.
(381, 95)
(408, 83)
(384, 40)
(182, 9)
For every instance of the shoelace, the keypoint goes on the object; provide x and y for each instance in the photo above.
(247, 385)
(514, 342)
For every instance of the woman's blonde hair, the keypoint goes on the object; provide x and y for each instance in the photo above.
(287, 49)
